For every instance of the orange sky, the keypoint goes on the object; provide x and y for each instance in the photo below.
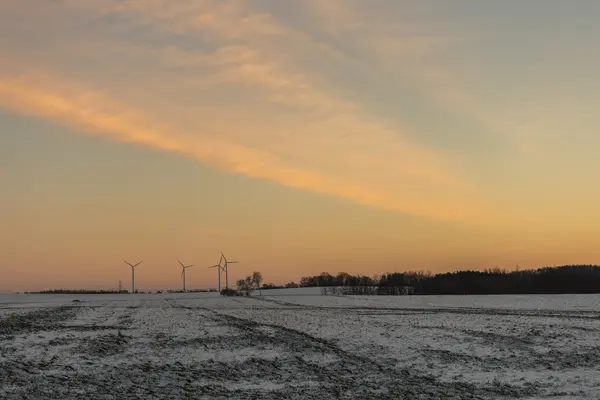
(296, 138)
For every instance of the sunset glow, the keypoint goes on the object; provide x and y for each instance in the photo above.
(297, 137)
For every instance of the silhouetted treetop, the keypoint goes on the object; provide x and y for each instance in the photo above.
(545, 280)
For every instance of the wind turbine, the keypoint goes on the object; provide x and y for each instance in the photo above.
(133, 274)
(225, 268)
(219, 269)
(183, 268)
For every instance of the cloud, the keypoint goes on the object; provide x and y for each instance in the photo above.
(417, 48)
(250, 107)
(41, 95)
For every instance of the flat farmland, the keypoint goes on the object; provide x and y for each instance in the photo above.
(299, 345)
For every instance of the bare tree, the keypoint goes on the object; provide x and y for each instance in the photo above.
(249, 283)
(241, 285)
(257, 280)
(245, 285)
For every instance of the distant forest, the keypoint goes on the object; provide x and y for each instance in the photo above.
(77, 291)
(568, 279)
(102, 291)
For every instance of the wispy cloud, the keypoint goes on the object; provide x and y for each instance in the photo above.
(414, 48)
(45, 96)
(280, 122)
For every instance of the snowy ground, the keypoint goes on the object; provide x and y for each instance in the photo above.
(298, 344)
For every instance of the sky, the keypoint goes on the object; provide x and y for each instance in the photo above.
(295, 137)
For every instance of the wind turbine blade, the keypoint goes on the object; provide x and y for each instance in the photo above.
(190, 266)
(180, 263)
(215, 266)
(223, 256)
(138, 263)
(232, 262)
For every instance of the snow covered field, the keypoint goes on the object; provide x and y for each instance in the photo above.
(299, 344)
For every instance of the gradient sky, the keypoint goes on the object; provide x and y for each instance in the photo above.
(296, 137)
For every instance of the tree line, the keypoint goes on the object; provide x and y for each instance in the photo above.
(572, 279)
(77, 291)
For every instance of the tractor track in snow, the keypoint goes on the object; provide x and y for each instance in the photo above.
(351, 376)
(167, 350)
(562, 314)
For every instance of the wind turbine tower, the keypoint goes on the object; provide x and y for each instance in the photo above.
(219, 270)
(226, 269)
(183, 268)
(133, 274)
